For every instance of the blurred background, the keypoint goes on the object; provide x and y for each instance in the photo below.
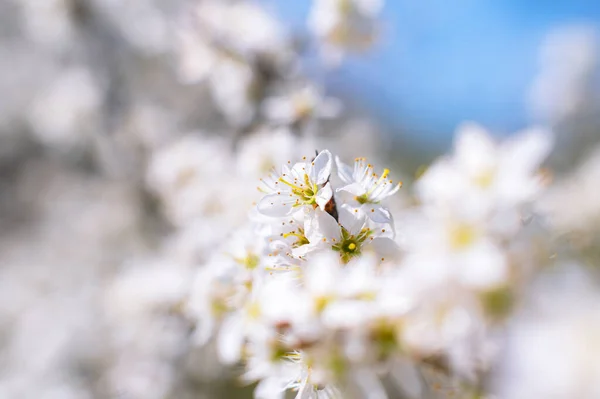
(506, 65)
(126, 140)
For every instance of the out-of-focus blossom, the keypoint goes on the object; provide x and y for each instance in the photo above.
(301, 105)
(150, 33)
(471, 204)
(483, 175)
(561, 321)
(242, 27)
(261, 151)
(65, 114)
(451, 322)
(457, 245)
(568, 58)
(344, 25)
(48, 22)
(232, 46)
(465, 252)
(186, 175)
(234, 86)
(573, 204)
(141, 307)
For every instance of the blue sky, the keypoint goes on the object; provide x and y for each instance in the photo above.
(443, 61)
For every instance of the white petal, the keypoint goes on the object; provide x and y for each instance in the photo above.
(321, 167)
(529, 149)
(297, 172)
(406, 375)
(347, 314)
(351, 220)
(204, 331)
(521, 157)
(385, 247)
(231, 339)
(369, 385)
(353, 188)
(270, 388)
(442, 182)
(305, 249)
(276, 205)
(387, 192)
(344, 171)
(483, 266)
(324, 195)
(322, 273)
(278, 109)
(319, 224)
(426, 270)
(378, 214)
(285, 170)
(474, 149)
(306, 391)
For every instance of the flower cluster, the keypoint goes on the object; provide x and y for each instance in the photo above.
(317, 294)
(252, 65)
(306, 294)
(460, 247)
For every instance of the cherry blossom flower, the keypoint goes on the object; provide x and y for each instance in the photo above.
(304, 185)
(368, 189)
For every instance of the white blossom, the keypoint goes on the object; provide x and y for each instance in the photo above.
(367, 188)
(483, 177)
(300, 105)
(344, 25)
(305, 184)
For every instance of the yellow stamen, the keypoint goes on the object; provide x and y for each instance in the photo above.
(287, 183)
(383, 176)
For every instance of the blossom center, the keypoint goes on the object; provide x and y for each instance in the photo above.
(299, 234)
(350, 245)
(306, 191)
(462, 236)
(362, 199)
(368, 197)
(250, 262)
(485, 178)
